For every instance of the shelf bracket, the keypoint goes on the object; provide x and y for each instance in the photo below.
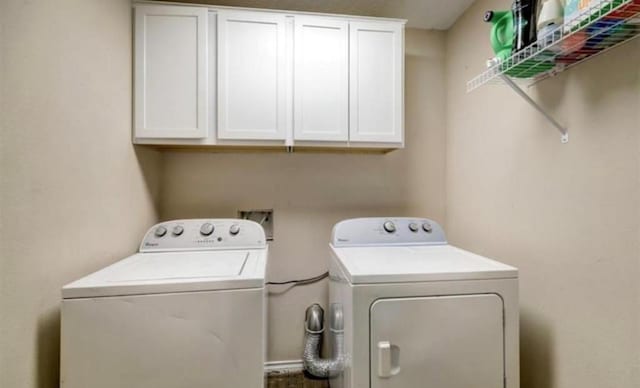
(564, 138)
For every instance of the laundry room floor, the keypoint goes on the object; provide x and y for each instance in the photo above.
(293, 380)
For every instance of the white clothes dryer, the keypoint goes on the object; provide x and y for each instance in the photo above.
(419, 312)
(187, 310)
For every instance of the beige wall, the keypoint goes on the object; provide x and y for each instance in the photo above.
(311, 192)
(567, 215)
(74, 195)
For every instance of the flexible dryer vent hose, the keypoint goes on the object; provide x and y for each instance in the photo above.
(314, 328)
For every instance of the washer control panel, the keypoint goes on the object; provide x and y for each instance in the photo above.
(387, 231)
(203, 234)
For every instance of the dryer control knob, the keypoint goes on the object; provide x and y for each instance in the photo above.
(234, 229)
(160, 231)
(206, 229)
(427, 227)
(389, 227)
(177, 230)
(413, 227)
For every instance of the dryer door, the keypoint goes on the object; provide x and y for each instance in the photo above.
(438, 342)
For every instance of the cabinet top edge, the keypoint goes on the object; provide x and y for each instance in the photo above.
(267, 10)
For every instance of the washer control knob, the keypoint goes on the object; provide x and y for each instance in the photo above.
(414, 227)
(160, 231)
(207, 229)
(177, 230)
(427, 227)
(234, 229)
(389, 227)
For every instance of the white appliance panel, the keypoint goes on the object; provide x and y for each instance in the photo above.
(154, 273)
(160, 341)
(173, 265)
(187, 235)
(442, 341)
(385, 264)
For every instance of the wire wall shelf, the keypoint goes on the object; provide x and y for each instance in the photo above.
(609, 24)
(593, 32)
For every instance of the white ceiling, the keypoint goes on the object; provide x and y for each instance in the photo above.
(429, 14)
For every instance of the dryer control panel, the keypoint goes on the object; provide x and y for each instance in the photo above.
(203, 234)
(387, 231)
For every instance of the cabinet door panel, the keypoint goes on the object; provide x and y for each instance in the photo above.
(321, 79)
(251, 76)
(170, 72)
(376, 82)
(444, 341)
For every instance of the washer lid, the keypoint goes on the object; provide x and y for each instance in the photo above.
(400, 264)
(153, 273)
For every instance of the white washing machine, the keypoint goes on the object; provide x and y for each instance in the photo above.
(188, 310)
(419, 312)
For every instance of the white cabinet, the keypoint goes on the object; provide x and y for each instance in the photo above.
(376, 82)
(209, 76)
(321, 84)
(170, 72)
(251, 76)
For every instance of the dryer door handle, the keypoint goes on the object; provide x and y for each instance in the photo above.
(388, 359)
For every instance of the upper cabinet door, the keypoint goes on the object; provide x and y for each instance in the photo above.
(170, 72)
(376, 82)
(321, 67)
(251, 76)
